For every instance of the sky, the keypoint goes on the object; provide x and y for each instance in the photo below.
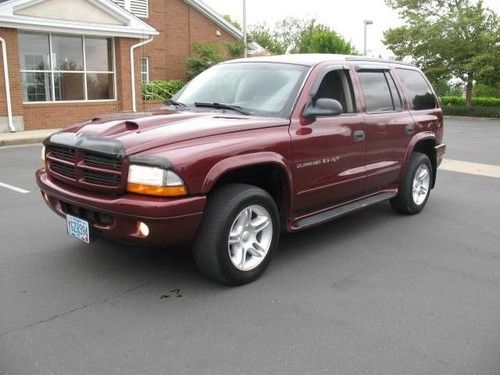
(345, 17)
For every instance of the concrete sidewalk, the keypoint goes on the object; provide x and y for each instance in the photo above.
(25, 137)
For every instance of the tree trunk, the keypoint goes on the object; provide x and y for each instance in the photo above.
(468, 90)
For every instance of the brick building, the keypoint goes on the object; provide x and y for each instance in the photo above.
(71, 60)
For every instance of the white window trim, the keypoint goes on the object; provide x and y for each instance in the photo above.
(147, 69)
(53, 71)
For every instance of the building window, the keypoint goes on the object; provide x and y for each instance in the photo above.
(144, 69)
(58, 67)
(138, 8)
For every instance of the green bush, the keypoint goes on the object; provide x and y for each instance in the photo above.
(161, 90)
(235, 50)
(206, 55)
(461, 110)
(476, 101)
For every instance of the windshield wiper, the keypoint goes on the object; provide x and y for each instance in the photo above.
(175, 103)
(232, 107)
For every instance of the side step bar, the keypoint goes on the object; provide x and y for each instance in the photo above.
(345, 209)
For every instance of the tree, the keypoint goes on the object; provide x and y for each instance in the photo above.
(483, 90)
(321, 39)
(263, 35)
(293, 35)
(232, 21)
(289, 31)
(448, 38)
(206, 55)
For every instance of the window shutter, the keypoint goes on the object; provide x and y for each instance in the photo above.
(139, 8)
(120, 3)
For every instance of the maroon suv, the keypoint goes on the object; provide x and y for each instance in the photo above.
(248, 149)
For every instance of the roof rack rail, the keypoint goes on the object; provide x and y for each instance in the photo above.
(375, 59)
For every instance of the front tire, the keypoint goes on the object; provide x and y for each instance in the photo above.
(238, 235)
(415, 187)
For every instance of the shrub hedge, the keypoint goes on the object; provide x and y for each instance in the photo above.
(161, 90)
(461, 110)
(476, 101)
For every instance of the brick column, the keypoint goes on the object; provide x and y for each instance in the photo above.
(123, 82)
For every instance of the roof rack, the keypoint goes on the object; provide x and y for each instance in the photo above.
(374, 59)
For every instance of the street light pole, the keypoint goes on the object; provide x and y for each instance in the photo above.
(366, 23)
(245, 54)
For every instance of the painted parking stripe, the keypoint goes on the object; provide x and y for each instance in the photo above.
(13, 188)
(479, 169)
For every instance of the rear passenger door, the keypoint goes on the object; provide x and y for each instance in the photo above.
(389, 127)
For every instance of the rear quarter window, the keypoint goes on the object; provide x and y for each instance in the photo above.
(418, 90)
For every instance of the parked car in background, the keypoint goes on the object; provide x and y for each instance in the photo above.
(246, 150)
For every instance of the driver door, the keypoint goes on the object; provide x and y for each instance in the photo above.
(329, 152)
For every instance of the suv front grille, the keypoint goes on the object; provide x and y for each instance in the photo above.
(100, 178)
(86, 169)
(96, 159)
(65, 153)
(63, 169)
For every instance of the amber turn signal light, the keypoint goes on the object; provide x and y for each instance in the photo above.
(159, 191)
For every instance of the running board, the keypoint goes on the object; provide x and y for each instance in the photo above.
(345, 209)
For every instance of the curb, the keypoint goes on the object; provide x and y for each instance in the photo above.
(21, 141)
(472, 118)
(25, 137)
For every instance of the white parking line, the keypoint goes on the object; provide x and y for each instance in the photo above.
(479, 169)
(13, 188)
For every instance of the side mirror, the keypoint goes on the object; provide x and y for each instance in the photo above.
(323, 107)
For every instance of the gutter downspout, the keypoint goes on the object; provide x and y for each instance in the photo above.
(7, 85)
(132, 69)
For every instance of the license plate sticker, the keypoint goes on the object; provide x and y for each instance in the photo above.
(78, 228)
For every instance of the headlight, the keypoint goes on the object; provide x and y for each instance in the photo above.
(154, 181)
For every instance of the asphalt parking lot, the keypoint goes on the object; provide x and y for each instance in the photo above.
(371, 293)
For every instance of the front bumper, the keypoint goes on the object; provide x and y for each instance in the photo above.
(440, 151)
(170, 220)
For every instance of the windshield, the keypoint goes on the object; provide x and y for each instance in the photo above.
(265, 89)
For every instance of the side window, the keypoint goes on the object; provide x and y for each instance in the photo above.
(379, 91)
(419, 92)
(337, 85)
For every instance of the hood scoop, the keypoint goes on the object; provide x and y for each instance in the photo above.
(121, 127)
(131, 125)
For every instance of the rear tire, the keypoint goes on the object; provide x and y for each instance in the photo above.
(415, 187)
(238, 234)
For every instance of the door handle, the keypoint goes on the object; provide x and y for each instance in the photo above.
(359, 135)
(410, 128)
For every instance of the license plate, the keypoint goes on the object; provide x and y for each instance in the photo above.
(78, 228)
